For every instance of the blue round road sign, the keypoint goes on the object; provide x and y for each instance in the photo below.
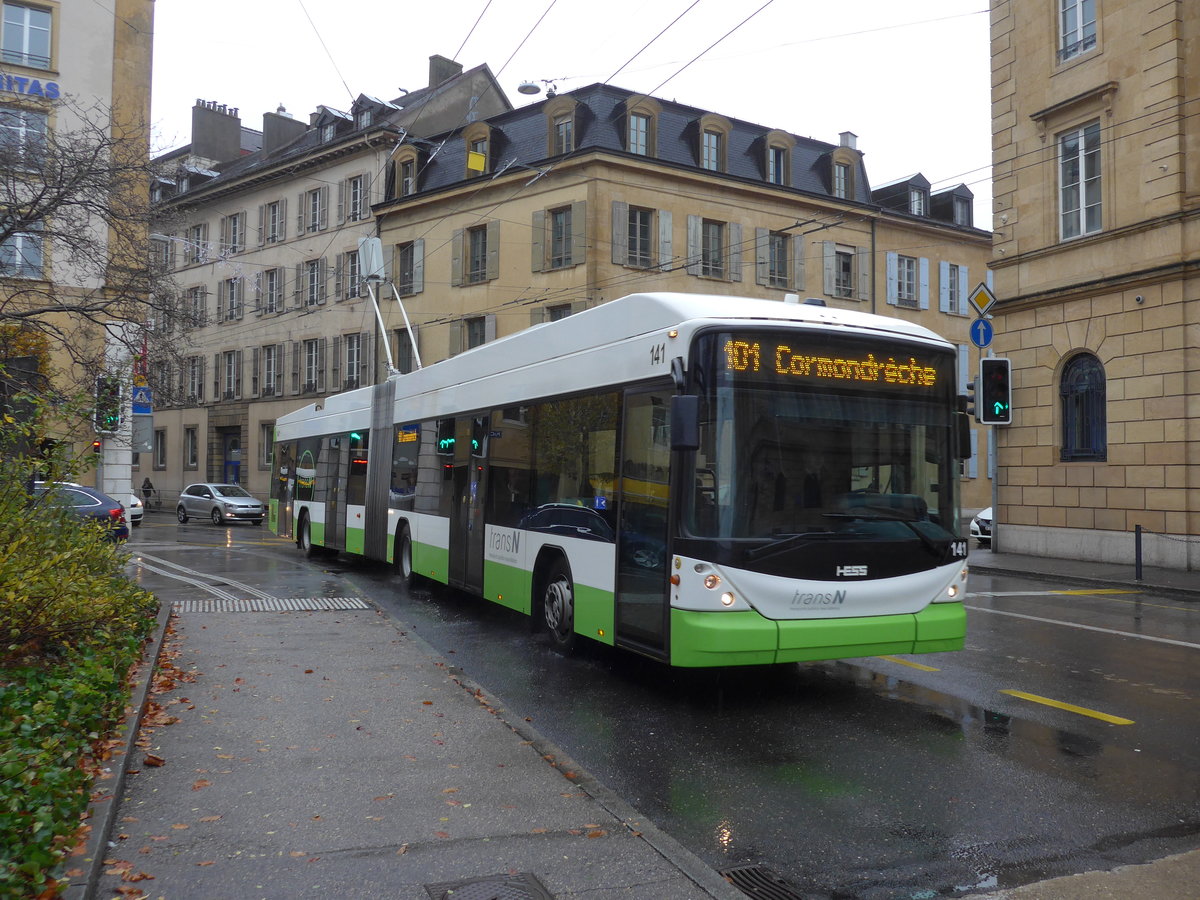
(981, 333)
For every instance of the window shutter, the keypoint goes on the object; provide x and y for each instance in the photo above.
(693, 245)
(963, 290)
(237, 375)
(762, 256)
(258, 277)
(893, 278)
(923, 275)
(337, 363)
(239, 299)
(262, 224)
(493, 250)
(666, 252)
(456, 258)
(418, 272)
(301, 225)
(339, 275)
(944, 287)
(964, 368)
(298, 287)
(216, 376)
(282, 219)
(489, 328)
(863, 262)
(323, 213)
(321, 365)
(578, 232)
(295, 367)
(200, 380)
(988, 279)
(735, 251)
(341, 201)
(796, 245)
(456, 337)
(829, 266)
(255, 372)
(322, 278)
(620, 232)
(279, 364)
(366, 195)
(537, 245)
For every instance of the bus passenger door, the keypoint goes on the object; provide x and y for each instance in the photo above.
(642, 595)
(466, 523)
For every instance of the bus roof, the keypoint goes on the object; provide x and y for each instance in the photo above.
(570, 354)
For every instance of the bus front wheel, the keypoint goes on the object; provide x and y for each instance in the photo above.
(305, 539)
(558, 606)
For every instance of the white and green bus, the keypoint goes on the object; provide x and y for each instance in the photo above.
(706, 480)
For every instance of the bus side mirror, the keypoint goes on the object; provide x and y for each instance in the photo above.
(685, 422)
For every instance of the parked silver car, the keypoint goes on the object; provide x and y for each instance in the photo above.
(222, 503)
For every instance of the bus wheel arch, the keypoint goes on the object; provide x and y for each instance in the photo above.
(554, 599)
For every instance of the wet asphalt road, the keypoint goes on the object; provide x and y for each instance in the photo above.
(914, 777)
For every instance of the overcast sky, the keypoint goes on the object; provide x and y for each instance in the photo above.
(910, 79)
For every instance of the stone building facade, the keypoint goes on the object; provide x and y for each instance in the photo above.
(1097, 270)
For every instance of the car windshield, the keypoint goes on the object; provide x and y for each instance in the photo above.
(230, 490)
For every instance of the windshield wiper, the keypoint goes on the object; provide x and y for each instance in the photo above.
(791, 541)
(882, 516)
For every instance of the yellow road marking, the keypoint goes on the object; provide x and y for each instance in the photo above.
(1088, 593)
(913, 665)
(1069, 707)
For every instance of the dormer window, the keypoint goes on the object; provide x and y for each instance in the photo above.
(327, 132)
(918, 201)
(641, 125)
(841, 180)
(778, 162)
(714, 136)
(962, 211)
(365, 117)
(478, 146)
(560, 122)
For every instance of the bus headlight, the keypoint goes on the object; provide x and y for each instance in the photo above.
(712, 581)
(727, 599)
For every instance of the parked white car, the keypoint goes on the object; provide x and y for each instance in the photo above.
(981, 527)
(134, 510)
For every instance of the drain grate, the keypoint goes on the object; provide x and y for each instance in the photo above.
(760, 882)
(524, 886)
(270, 604)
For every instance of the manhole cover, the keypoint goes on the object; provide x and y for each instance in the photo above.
(524, 886)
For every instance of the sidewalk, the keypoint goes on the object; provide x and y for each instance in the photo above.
(333, 753)
(330, 754)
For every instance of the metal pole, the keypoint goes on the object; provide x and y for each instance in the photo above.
(387, 345)
(1137, 552)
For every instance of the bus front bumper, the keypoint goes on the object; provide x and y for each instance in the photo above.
(745, 638)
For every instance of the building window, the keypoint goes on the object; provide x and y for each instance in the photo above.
(316, 209)
(1079, 180)
(477, 251)
(843, 272)
(906, 281)
(271, 290)
(406, 260)
(962, 211)
(1077, 27)
(229, 386)
(476, 328)
(564, 134)
(841, 180)
(365, 118)
(557, 312)
(231, 309)
(351, 276)
(273, 223)
(356, 198)
(328, 131)
(233, 233)
(160, 448)
(22, 255)
(190, 448)
(641, 237)
(314, 282)
(271, 370)
(26, 36)
(777, 260)
(639, 134)
(266, 443)
(353, 345)
(22, 132)
(918, 201)
(712, 248)
(477, 157)
(954, 290)
(404, 351)
(710, 150)
(560, 237)
(197, 242)
(777, 165)
(312, 366)
(195, 379)
(1084, 417)
(408, 177)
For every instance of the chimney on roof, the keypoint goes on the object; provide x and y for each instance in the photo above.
(279, 128)
(849, 139)
(442, 69)
(216, 131)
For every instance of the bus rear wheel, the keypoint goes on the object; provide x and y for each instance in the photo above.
(402, 558)
(558, 606)
(304, 540)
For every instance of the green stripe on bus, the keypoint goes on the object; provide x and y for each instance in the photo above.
(316, 533)
(594, 613)
(431, 561)
(273, 516)
(507, 585)
(356, 540)
(721, 638)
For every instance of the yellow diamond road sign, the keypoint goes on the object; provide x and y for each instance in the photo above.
(982, 299)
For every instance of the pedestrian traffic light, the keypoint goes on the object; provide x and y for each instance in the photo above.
(969, 400)
(108, 404)
(994, 387)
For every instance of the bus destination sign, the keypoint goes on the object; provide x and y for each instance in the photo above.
(782, 359)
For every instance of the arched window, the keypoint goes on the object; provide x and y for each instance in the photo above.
(1084, 417)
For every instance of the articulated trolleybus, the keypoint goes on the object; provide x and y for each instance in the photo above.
(709, 481)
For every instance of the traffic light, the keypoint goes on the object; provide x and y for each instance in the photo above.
(969, 400)
(994, 387)
(108, 404)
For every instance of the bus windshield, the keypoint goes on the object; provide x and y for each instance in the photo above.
(817, 437)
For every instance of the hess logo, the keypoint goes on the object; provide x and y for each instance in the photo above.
(851, 571)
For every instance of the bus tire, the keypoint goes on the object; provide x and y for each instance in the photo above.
(304, 539)
(402, 558)
(558, 605)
